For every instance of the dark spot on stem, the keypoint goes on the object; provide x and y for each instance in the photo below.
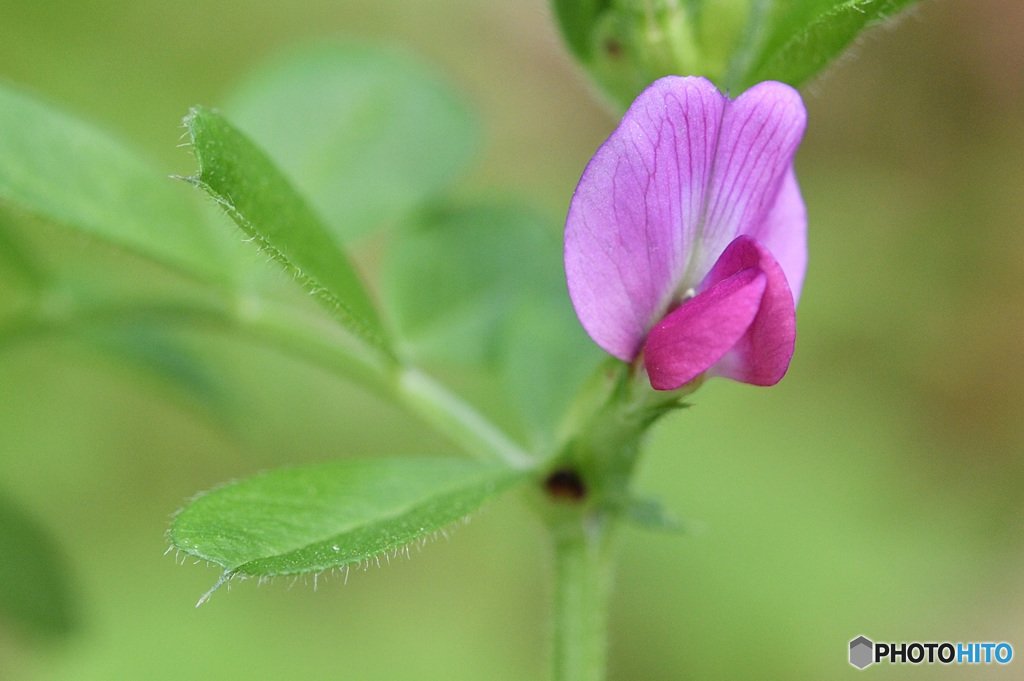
(565, 484)
(613, 48)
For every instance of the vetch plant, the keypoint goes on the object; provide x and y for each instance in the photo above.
(684, 258)
(670, 247)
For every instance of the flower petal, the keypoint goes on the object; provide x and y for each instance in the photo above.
(637, 211)
(759, 135)
(784, 233)
(702, 330)
(761, 356)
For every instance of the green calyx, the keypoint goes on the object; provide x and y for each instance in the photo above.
(590, 473)
(628, 44)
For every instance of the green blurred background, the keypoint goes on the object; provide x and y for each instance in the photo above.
(878, 490)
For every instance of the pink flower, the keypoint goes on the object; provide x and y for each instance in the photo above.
(686, 239)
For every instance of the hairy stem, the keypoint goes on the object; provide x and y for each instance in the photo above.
(583, 581)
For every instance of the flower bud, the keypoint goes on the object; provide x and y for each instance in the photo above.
(628, 44)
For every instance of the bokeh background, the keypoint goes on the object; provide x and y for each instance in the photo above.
(878, 490)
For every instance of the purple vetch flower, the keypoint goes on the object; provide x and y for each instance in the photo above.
(686, 239)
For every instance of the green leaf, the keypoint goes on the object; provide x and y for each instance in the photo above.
(799, 39)
(331, 515)
(143, 316)
(58, 168)
(453, 275)
(546, 358)
(257, 196)
(157, 350)
(52, 284)
(497, 299)
(366, 133)
(35, 591)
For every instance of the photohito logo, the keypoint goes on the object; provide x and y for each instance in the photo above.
(863, 652)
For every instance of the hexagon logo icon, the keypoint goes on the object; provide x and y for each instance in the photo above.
(861, 652)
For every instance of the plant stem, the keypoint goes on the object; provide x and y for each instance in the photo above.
(457, 420)
(583, 581)
(296, 334)
(585, 493)
(413, 389)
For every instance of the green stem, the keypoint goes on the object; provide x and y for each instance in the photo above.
(413, 389)
(457, 420)
(585, 494)
(583, 581)
(298, 335)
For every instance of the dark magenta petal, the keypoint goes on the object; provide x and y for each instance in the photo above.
(761, 355)
(702, 330)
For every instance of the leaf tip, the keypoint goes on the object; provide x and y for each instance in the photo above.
(193, 180)
(224, 578)
(190, 118)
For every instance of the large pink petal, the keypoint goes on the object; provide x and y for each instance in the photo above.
(784, 233)
(702, 330)
(761, 355)
(637, 211)
(750, 193)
